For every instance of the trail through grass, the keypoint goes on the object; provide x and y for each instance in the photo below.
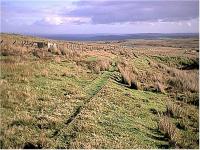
(91, 90)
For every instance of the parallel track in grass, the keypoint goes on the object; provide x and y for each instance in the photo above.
(93, 89)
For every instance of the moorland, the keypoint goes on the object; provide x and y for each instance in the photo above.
(99, 94)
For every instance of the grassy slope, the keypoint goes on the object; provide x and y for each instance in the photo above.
(41, 99)
(39, 96)
(119, 117)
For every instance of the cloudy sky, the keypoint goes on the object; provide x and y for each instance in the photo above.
(99, 16)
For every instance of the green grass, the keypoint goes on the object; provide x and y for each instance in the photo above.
(141, 63)
(91, 58)
(119, 119)
(176, 61)
(50, 96)
(97, 84)
(38, 97)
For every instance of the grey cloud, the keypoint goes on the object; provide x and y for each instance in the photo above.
(106, 12)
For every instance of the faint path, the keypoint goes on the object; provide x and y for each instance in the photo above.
(91, 90)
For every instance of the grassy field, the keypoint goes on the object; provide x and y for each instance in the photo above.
(141, 94)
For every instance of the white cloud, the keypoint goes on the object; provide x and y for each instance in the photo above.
(180, 23)
(189, 24)
(55, 20)
(152, 24)
(59, 20)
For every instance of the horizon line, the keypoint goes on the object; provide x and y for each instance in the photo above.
(99, 33)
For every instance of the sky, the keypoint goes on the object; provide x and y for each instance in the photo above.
(99, 16)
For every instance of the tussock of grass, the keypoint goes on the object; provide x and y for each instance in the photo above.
(53, 49)
(104, 65)
(128, 74)
(188, 97)
(41, 53)
(184, 81)
(175, 110)
(98, 65)
(169, 129)
(160, 87)
(69, 53)
(181, 80)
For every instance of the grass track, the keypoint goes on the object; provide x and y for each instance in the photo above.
(91, 90)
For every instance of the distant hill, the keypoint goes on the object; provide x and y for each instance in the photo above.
(105, 37)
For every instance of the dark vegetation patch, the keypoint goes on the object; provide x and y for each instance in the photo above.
(189, 98)
(192, 64)
(179, 62)
(29, 145)
(180, 125)
(153, 111)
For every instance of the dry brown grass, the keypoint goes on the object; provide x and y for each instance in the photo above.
(57, 59)
(9, 49)
(126, 75)
(54, 50)
(100, 65)
(169, 129)
(103, 65)
(159, 87)
(181, 80)
(39, 53)
(175, 110)
(69, 53)
(44, 72)
(42, 53)
(188, 97)
(184, 81)
(129, 75)
(153, 63)
(152, 80)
